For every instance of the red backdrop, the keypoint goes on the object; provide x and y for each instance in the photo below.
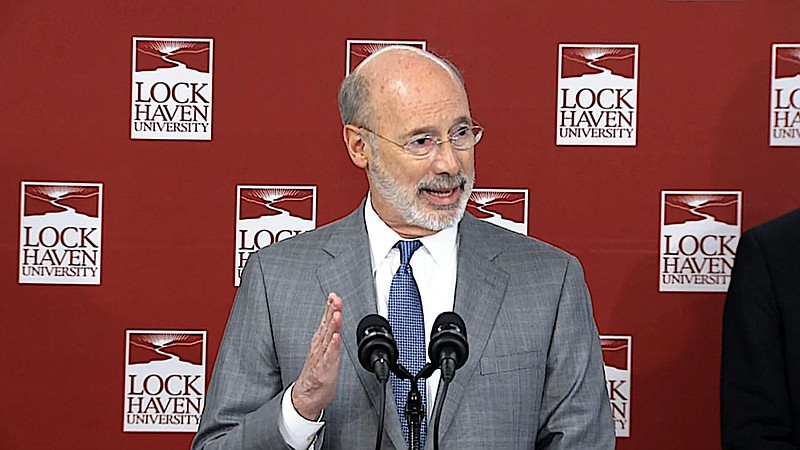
(169, 206)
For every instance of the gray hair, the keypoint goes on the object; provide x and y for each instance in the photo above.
(353, 99)
(354, 106)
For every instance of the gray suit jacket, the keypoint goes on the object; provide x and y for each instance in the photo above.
(534, 378)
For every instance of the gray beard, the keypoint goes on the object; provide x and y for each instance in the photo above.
(405, 201)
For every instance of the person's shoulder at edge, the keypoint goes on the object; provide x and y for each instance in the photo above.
(302, 243)
(515, 244)
(777, 230)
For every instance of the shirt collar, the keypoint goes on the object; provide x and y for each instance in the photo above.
(382, 239)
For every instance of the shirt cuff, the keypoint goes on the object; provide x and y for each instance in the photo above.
(297, 431)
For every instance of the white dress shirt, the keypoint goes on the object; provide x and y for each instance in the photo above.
(434, 267)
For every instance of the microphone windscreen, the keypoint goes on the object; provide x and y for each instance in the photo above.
(371, 321)
(447, 320)
(449, 337)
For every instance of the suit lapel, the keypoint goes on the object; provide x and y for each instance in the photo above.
(480, 290)
(349, 274)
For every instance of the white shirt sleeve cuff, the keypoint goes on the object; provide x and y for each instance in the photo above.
(297, 431)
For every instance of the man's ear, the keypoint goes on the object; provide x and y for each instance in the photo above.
(354, 140)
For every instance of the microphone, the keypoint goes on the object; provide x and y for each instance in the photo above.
(448, 349)
(377, 350)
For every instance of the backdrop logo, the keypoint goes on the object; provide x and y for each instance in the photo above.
(617, 363)
(268, 214)
(507, 208)
(699, 234)
(597, 87)
(785, 101)
(60, 233)
(165, 379)
(359, 49)
(171, 89)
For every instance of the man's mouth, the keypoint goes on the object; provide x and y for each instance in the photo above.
(440, 196)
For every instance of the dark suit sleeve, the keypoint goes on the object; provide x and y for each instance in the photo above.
(244, 397)
(754, 397)
(575, 413)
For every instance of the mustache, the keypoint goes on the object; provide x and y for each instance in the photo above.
(444, 182)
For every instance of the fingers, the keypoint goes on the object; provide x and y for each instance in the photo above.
(330, 330)
(333, 341)
(335, 302)
(331, 356)
(324, 327)
(332, 320)
(322, 335)
(316, 386)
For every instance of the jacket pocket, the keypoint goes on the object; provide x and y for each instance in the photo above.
(508, 363)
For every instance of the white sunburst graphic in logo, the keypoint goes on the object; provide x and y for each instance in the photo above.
(360, 49)
(365, 50)
(591, 55)
(268, 214)
(507, 208)
(594, 56)
(54, 194)
(266, 197)
(170, 47)
(58, 192)
(695, 203)
(789, 54)
(484, 197)
(160, 342)
(165, 49)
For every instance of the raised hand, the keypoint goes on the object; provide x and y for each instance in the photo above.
(315, 388)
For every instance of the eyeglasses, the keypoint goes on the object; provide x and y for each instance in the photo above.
(462, 138)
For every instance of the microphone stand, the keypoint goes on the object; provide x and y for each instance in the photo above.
(381, 369)
(415, 410)
(379, 435)
(441, 393)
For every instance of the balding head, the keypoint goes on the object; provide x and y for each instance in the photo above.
(378, 71)
(402, 96)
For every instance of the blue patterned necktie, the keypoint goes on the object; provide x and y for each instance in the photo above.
(408, 326)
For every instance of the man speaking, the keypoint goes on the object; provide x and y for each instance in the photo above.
(534, 377)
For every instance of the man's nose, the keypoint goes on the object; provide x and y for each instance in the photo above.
(446, 159)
